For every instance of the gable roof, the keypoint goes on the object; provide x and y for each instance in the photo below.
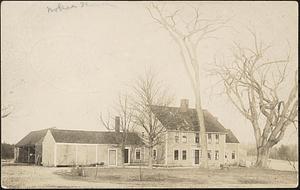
(94, 137)
(79, 136)
(174, 119)
(32, 138)
(230, 137)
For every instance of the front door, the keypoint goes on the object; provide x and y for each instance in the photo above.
(196, 157)
(112, 156)
(126, 156)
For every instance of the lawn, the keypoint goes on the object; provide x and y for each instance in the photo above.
(16, 176)
(189, 177)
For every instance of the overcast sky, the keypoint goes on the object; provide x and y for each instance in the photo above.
(61, 69)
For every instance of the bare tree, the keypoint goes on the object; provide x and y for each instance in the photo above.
(6, 111)
(252, 83)
(148, 91)
(125, 113)
(188, 36)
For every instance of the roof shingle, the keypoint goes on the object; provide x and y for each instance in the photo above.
(230, 138)
(93, 137)
(174, 119)
(79, 136)
(32, 138)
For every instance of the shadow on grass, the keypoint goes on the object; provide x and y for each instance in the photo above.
(158, 177)
(252, 181)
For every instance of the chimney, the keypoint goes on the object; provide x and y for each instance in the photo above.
(184, 105)
(117, 124)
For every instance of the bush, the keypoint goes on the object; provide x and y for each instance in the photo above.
(77, 171)
(284, 152)
(7, 151)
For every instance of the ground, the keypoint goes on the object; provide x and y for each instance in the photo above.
(18, 176)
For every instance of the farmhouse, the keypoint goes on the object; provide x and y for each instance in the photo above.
(56, 147)
(181, 145)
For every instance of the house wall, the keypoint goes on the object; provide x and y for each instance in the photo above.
(38, 153)
(48, 150)
(85, 154)
(65, 154)
(229, 149)
(160, 155)
(161, 152)
(213, 147)
(190, 146)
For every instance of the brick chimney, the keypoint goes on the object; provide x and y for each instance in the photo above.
(184, 105)
(117, 124)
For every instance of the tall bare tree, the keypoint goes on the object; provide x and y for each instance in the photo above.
(252, 83)
(188, 36)
(149, 91)
(125, 113)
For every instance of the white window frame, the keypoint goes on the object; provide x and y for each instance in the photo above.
(218, 155)
(154, 149)
(140, 153)
(184, 135)
(196, 138)
(233, 152)
(209, 140)
(217, 139)
(128, 154)
(174, 154)
(209, 151)
(185, 154)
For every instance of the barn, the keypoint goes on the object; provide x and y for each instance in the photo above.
(58, 147)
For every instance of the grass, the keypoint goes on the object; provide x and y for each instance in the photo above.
(190, 177)
(43, 177)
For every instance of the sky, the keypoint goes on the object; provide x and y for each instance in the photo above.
(62, 69)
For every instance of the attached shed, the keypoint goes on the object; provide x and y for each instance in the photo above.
(29, 149)
(57, 147)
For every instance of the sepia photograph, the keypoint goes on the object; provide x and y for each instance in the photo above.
(149, 94)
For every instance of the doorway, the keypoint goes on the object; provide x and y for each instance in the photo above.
(112, 157)
(126, 155)
(196, 161)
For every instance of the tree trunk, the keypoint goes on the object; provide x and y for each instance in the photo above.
(200, 115)
(122, 155)
(262, 157)
(150, 164)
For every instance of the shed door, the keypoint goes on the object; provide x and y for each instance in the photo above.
(126, 155)
(112, 157)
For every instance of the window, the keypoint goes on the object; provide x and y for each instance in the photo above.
(216, 155)
(176, 154)
(209, 154)
(177, 137)
(197, 138)
(184, 139)
(137, 154)
(184, 155)
(233, 155)
(209, 138)
(217, 138)
(154, 154)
